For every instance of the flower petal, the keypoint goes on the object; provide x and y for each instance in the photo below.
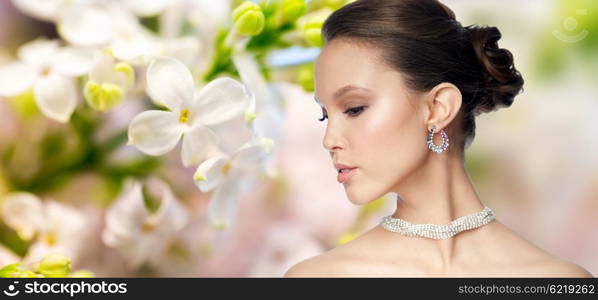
(221, 100)
(87, 24)
(198, 142)
(56, 97)
(125, 221)
(142, 233)
(233, 134)
(105, 69)
(251, 155)
(171, 216)
(126, 216)
(65, 221)
(41, 9)
(102, 69)
(210, 173)
(169, 82)
(252, 77)
(147, 8)
(7, 256)
(23, 212)
(224, 202)
(155, 132)
(15, 78)
(186, 49)
(74, 61)
(39, 52)
(137, 49)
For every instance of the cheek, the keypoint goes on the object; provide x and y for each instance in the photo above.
(393, 143)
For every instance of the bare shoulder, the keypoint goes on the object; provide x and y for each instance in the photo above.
(328, 264)
(347, 260)
(306, 268)
(560, 268)
(537, 261)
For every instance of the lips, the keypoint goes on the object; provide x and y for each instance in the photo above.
(338, 166)
(344, 172)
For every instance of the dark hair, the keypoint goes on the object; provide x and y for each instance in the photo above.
(423, 40)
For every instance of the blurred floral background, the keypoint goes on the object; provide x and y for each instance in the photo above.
(180, 137)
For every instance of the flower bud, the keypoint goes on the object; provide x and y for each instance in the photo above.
(335, 4)
(28, 274)
(292, 9)
(82, 274)
(218, 227)
(312, 31)
(25, 105)
(249, 117)
(332, 4)
(127, 70)
(55, 265)
(266, 143)
(11, 270)
(249, 19)
(305, 77)
(103, 96)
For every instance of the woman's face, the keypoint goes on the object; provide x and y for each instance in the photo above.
(380, 131)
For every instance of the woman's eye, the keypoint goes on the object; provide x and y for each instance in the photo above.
(355, 111)
(352, 112)
(324, 115)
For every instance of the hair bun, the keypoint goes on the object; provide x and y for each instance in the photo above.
(502, 82)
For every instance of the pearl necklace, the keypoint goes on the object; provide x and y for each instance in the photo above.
(437, 232)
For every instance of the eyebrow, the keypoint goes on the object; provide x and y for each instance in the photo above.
(345, 89)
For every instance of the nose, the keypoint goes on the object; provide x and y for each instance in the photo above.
(331, 141)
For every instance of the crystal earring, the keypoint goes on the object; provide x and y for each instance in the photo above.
(445, 141)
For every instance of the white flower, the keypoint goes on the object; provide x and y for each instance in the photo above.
(265, 114)
(50, 70)
(23, 213)
(98, 23)
(138, 232)
(108, 82)
(111, 25)
(53, 227)
(139, 48)
(185, 49)
(190, 114)
(147, 8)
(7, 256)
(46, 10)
(231, 176)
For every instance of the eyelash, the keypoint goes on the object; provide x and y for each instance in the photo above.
(351, 112)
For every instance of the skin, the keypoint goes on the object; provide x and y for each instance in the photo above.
(386, 141)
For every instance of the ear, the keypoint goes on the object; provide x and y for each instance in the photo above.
(442, 105)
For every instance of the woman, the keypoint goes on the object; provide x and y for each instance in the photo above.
(400, 83)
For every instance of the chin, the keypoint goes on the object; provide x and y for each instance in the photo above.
(361, 196)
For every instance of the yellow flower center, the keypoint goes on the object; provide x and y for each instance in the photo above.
(124, 35)
(148, 227)
(51, 239)
(45, 71)
(225, 169)
(184, 117)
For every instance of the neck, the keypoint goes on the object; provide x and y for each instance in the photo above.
(438, 192)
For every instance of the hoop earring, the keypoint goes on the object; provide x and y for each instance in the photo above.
(445, 141)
